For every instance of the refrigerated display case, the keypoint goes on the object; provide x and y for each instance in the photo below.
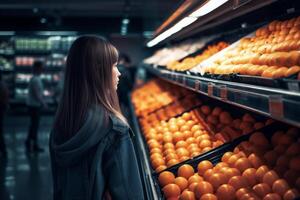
(223, 134)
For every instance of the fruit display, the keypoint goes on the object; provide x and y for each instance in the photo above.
(190, 62)
(273, 52)
(154, 95)
(256, 169)
(165, 55)
(187, 127)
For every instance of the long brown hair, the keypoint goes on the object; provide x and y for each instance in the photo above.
(88, 82)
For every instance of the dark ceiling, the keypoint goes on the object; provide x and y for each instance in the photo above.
(84, 15)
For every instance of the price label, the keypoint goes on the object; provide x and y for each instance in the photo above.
(197, 85)
(210, 89)
(276, 106)
(223, 92)
(293, 86)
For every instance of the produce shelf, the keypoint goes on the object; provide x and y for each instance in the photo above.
(280, 104)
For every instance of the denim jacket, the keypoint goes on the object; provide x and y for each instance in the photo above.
(98, 158)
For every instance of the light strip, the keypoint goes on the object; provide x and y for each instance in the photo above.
(7, 33)
(174, 29)
(208, 7)
(203, 10)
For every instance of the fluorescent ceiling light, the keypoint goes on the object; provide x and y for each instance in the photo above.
(125, 21)
(174, 29)
(208, 7)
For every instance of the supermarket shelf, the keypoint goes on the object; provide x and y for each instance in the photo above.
(146, 174)
(32, 52)
(46, 69)
(279, 104)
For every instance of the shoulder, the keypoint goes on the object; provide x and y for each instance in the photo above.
(117, 125)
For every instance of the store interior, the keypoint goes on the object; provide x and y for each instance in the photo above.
(210, 88)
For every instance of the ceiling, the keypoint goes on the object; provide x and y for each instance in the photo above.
(144, 15)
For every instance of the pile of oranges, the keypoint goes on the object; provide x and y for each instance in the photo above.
(169, 111)
(273, 52)
(246, 173)
(192, 133)
(190, 62)
(225, 126)
(155, 94)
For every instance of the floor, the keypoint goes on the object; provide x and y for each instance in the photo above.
(25, 176)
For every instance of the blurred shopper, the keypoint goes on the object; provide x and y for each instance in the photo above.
(35, 102)
(91, 148)
(4, 96)
(126, 82)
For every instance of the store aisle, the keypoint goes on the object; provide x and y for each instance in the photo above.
(22, 175)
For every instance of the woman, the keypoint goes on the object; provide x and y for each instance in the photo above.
(90, 144)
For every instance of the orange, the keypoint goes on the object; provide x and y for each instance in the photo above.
(204, 137)
(291, 194)
(271, 157)
(180, 122)
(270, 177)
(285, 140)
(226, 156)
(220, 165)
(295, 163)
(157, 162)
(155, 150)
(255, 161)
(283, 161)
(202, 188)
(206, 149)
(195, 128)
(187, 134)
(190, 123)
(171, 190)
(187, 195)
(181, 182)
(186, 116)
(249, 174)
(190, 140)
(166, 178)
(203, 166)
(240, 192)
(262, 189)
(160, 168)
(167, 138)
(184, 128)
(260, 172)
(217, 179)
(185, 171)
(225, 192)
(249, 196)
(238, 182)
(192, 146)
(173, 128)
(172, 162)
(181, 144)
(182, 152)
(231, 161)
(205, 143)
(177, 136)
(205, 109)
(293, 149)
(195, 154)
(183, 158)
(169, 151)
(259, 139)
(280, 187)
(195, 179)
(169, 146)
(171, 156)
(192, 186)
(242, 164)
(208, 197)
(225, 118)
(272, 196)
(208, 173)
(231, 172)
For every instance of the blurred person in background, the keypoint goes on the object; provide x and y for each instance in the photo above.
(4, 98)
(35, 102)
(126, 82)
(91, 148)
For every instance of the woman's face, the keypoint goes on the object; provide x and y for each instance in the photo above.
(115, 74)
